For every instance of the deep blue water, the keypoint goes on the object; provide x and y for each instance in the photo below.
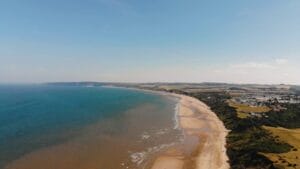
(36, 116)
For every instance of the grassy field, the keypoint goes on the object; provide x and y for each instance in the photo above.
(291, 159)
(243, 110)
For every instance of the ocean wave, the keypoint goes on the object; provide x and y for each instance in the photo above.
(176, 118)
(145, 136)
(139, 158)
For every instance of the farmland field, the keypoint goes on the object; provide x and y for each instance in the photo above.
(291, 159)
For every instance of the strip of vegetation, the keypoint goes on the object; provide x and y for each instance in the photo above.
(247, 139)
(288, 118)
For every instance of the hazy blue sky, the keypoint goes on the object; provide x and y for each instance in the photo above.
(243, 41)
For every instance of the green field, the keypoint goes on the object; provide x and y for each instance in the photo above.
(244, 110)
(291, 159)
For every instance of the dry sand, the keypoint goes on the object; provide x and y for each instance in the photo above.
(204, 143)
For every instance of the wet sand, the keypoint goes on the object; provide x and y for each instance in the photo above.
(204, 143)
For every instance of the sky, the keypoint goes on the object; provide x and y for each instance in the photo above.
(233, 41)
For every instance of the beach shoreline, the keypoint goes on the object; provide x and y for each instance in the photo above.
(200, 141)
(204, 145)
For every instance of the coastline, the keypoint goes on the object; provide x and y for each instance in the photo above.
(204, 145)
(201, 144)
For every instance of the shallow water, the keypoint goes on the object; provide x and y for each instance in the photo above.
(78, 127)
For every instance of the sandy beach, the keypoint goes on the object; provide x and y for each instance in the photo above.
(204, 143)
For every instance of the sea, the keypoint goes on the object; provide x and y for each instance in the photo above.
(84, 127)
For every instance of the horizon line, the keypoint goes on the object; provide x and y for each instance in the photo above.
(157, 82)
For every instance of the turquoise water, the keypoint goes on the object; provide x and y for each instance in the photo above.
(37, 116)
